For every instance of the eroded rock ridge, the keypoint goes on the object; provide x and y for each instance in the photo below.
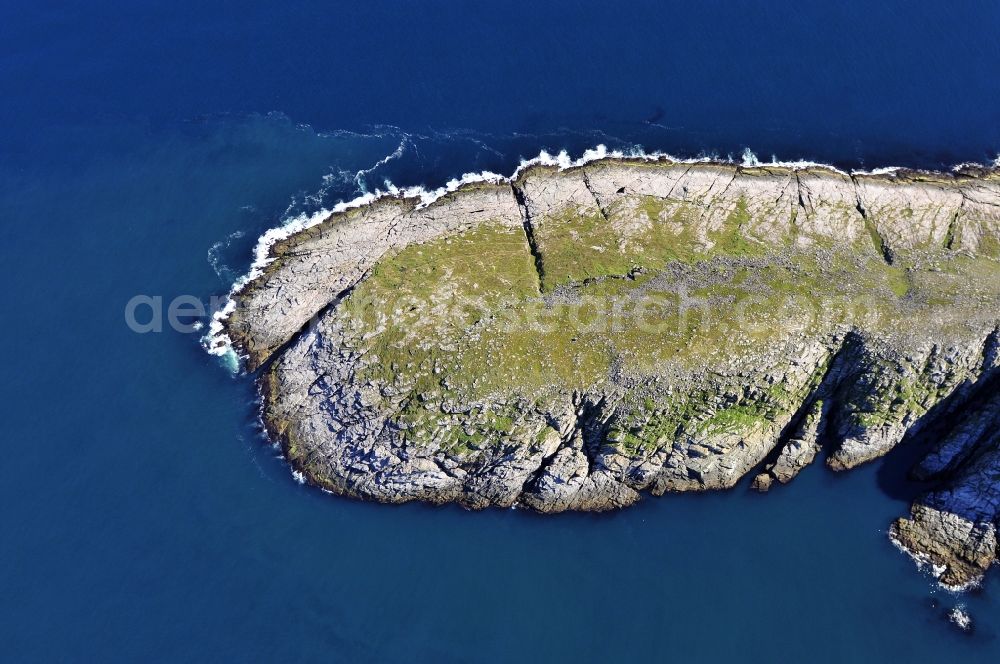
(574, 339)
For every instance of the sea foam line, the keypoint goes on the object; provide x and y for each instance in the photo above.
(217, 342)
(924, 564)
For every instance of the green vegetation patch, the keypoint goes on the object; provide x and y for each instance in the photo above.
(577, 245)
(442, 328)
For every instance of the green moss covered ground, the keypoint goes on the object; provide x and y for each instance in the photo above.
(448, 326)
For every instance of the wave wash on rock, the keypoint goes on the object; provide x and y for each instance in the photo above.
(590, 332)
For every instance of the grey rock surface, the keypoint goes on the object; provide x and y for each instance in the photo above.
(848, 386)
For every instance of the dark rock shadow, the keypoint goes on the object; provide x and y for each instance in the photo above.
(894, 475)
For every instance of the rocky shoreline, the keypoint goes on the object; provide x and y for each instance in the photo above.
(576, 338)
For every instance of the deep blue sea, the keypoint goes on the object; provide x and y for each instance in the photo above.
(145, 145)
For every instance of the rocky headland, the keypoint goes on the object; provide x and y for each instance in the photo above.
(577, 338)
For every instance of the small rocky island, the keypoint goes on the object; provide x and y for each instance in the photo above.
(577, 337)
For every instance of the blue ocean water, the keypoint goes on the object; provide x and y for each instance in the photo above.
(143, 148)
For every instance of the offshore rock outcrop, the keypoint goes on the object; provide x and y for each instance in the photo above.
(577, 338)
(953, 529)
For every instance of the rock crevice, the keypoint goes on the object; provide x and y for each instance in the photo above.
(574, 339)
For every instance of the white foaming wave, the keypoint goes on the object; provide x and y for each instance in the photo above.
(960, 617)
(925, 564)
(217, 342)
(359, 177)
(885, 170)
(971, 164)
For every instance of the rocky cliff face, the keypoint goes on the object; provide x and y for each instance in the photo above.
(575, 339)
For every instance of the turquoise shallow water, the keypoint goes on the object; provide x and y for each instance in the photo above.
(145, 516)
